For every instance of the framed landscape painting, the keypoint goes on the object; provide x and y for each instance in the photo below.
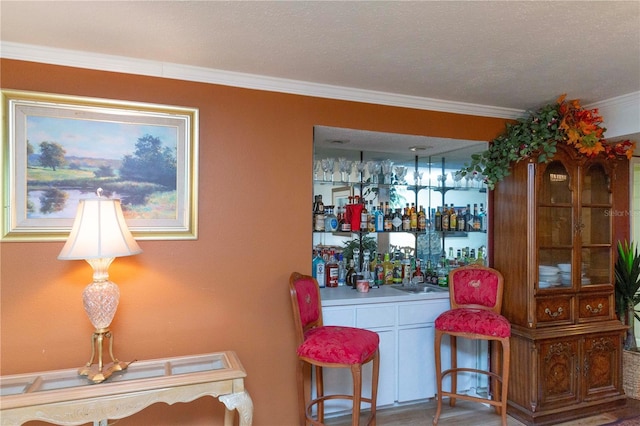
(60, 149)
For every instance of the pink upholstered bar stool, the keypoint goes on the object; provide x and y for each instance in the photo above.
(475, 293)
(329, 346)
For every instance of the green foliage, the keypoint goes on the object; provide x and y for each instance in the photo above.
(104, 171)
(52, 155)
(627, 271)
(367, 242)
(151, 162)
(536, 134)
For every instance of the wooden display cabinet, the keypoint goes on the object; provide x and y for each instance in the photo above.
(566, 340)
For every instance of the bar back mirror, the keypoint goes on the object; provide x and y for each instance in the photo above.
(390, 175)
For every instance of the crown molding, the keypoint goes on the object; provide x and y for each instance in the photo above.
(88, 60)
(622, 115)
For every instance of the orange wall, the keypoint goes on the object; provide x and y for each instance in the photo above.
(228, 289)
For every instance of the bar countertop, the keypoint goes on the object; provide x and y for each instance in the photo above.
(345, 295)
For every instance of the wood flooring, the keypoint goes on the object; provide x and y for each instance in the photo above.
(473, 414)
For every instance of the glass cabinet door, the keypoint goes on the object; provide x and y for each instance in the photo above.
(555, 227)
(596, 227)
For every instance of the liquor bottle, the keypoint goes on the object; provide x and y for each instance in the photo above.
(342, 270)
(468, 219)
(330, 220)
(422, 220)
(318, 269)
(366, 266)
(373, 216)
(379, 272)
(418, 276)
(332, 271)
(388, 269)
(445, 218)
(364, 217)
(406, 219)
(438, 219)
(429, 275)
(372, 265)
(414, 218)
(476, 219)
(396, 222)
(483, 218)
(351, 273)
(388, 218)
(453, 219)
(406, 271)
(340, 217)
(443, 273)
(397, 269)
(462, 220)
(380, 219)
(318, 205)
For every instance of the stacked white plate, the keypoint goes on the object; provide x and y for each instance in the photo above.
(565, 273)
(549, 276)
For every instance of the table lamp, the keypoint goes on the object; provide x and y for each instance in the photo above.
(100, 234)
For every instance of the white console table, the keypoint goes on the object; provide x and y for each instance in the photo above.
(63, 397)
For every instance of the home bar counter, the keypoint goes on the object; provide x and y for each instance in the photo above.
(405, 323)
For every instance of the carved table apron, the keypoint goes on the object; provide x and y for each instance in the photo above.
(65, 398)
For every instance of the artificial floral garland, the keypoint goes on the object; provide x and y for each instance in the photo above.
(538, 134)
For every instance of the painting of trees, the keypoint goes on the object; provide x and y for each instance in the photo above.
(151, 162)
(52, 155)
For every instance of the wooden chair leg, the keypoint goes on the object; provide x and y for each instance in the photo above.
(454, 365)
(437, 342)
(320, 392)
(302, 405)
(506, 352)
(374, 387)
(356, 374)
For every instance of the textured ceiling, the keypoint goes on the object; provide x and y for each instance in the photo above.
(507, 54)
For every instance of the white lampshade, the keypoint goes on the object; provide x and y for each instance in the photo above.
(99, 231)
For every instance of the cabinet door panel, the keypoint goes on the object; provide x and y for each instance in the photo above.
(600, 369)
(558, 362)
(416, 373)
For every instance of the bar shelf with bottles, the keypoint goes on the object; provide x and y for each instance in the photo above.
(438, 222)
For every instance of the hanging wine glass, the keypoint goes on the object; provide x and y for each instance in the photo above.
(457, 178)
(374, 170)
(361, 166)
(327, 169)
(387, 166)
(401, 172)
(344, 166)
(417, 177)
(317, 167)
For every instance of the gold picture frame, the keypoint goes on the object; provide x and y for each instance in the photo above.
(58, 149)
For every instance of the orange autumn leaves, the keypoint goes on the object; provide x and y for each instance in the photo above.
(583, 130)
